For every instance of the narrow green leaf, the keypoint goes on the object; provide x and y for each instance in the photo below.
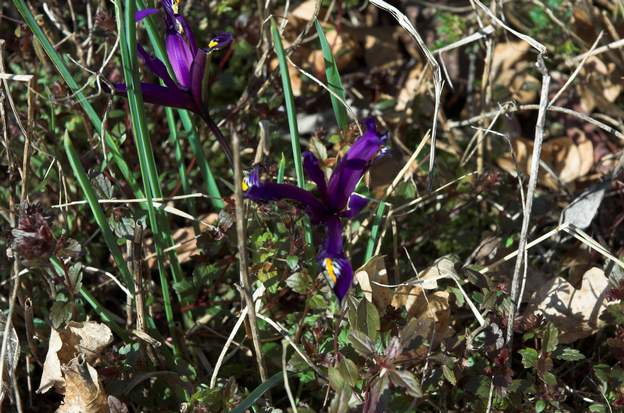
(98, 214)
(291, 114)
(126, 26)
(273, 381)
(370, 247)
(289, 101)
(333, 79)
(203, 164)
(281, 168)
(59, 63)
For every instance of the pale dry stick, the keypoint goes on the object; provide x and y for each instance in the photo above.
(559, 109)
(403, 173)
(611, 46)
(135, 200)
(592, 243)
(559, 23)
(438, 83)
(576, 71)
(534, 43)
(16, 78)
(478, 136)
(242, 254)
(284, 333)
(612, 32)
(390, 189)
(528, 205)
(528, 246)
(476, 36)
(331, 92)
(226, 346)
(94, 270)
(291, 399)
(137, 269)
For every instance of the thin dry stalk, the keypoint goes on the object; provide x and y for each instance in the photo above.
(537, 149)
(291, 399)
(438, 83)
(242, 254)
(137, 269)
(226, 346)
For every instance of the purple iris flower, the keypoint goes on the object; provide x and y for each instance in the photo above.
(335, 201)
(188, 62)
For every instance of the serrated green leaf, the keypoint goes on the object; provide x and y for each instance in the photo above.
(549, 378)
(407, 380)
(540, 405)
(299, 282)
(569, 354)
(362, 343)
(449, 375)
(368, 319)
(551, 338)
(529, 357)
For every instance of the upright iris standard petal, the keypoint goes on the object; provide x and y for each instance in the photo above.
(352, 166)
(180, 57)
(313, 171)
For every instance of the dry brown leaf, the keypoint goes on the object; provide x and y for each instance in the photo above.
(304, 11)
(344, 47)
(512, 73)
(88, 339)
(602, 85)
(11, 358)
(568, 159)
(575, 312)
(83, 391)
(374, 271)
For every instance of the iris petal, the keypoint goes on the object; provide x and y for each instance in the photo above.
(352, 166)
(312, 168)
(156, 66)
(160, 95)
(269, 191)
(356, 204)
(141, 14)
(180, 57)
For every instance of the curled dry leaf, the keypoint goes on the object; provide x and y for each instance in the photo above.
(87, 339)
(11, 357)
(575, 312)
(512, 73)
(83, 391)
(568, 160)
(369, 276)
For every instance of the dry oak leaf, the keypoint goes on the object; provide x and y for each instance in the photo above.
(575, 312)
(567, 159)
(83, 391)
(87, 339)
(369, 276)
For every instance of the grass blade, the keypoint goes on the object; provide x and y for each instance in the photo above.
(158, 223)
(98, 214)
(281, 168)
(273, 381)
(58, 62)
(333, 79)
(370, 247)
(204, 166)
(291, 113)
(289, 101)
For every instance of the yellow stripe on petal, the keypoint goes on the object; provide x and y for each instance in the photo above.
(329, 266)
(244, 185)
(175, 6)
(213, 43)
